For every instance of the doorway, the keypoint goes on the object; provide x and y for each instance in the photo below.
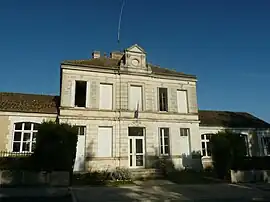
(136, 145)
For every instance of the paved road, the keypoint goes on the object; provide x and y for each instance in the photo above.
(37, 199)
(154, 190)
(167, 191)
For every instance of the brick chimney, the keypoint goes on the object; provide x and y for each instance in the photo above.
(96, 54)
(116, 55)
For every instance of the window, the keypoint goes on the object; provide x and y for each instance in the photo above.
(163, 99)
(104, 142)
(184, 132)
(245, 142)
(164, 141)
(24, 137)
(81, 130)
(206, 150)
(135, 98)
(266, 145)
(182, 101)
(80, 93)
(106, 96)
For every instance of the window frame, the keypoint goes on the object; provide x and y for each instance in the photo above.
(86, 94)
(33, 130)
(162, 141)
(159, 100)
(187, 130)
(205, 141)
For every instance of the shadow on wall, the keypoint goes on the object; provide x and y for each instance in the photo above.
(89, 155)
(185, 161)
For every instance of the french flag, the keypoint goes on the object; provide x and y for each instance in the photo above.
(136, 114)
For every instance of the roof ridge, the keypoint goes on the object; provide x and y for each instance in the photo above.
(222, 111)
(18, 93)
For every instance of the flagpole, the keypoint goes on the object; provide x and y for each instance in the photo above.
(119, 23)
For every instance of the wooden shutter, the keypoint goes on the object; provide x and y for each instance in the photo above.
(104, 142)
(106, 96)
(182, 101)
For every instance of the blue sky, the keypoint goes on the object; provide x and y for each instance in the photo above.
(225, 43)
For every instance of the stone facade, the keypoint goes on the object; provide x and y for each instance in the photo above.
(121, 117)
(8, 119)
(254, 140)
(122, 71)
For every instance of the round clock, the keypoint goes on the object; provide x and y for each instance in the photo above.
(135, 62)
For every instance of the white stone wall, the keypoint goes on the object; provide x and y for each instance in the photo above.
(254, 141)
(121, 89)
(120, 118)
(15, 117)
(120, 141)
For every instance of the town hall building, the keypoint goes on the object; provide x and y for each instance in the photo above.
(129, 113)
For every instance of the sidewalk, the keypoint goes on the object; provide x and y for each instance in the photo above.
(33, 192)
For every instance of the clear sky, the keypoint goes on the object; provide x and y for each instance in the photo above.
(226, 43)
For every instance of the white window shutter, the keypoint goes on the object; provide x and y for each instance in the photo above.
(104, 142)
(135, 98)
(106, 96)
(182, 101)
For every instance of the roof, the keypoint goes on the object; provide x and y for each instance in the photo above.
(110, 63)
(19, 102)
(230, 119)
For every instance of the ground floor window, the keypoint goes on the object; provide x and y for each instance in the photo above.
(205, 140)
(164, 141)
(24, 137)
(266, 145)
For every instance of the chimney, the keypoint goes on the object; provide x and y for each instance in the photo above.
(116, 55)
(96, 54)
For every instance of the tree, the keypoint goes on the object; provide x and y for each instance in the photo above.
(227, 148)
(55, 147)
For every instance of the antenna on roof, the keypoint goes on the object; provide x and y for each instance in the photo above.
(119, 23)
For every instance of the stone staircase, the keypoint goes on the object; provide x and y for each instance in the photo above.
(144, 173)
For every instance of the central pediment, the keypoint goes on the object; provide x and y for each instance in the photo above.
(135, 59)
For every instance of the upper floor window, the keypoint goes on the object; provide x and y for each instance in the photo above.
(163, 99)
(182, 103)
(24, 137)
(80, 93)
(135, 98)
(106, 96)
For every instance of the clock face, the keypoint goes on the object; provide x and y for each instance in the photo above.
(135, 62)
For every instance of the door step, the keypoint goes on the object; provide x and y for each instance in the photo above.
(146, 173)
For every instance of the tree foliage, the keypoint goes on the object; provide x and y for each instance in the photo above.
(55, 147)
(227, 148)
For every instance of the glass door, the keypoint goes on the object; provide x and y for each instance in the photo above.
(136, 152)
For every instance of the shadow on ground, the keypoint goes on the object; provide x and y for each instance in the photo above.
(161, 190)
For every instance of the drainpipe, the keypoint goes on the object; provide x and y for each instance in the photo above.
(119, 117)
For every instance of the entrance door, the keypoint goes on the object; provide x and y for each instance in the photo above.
(79, 164)
(136, 147)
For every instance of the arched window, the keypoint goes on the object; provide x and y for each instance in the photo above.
(24, 137)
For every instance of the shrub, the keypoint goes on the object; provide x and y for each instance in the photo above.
(120, 174)
(101, 177)
(165, 166)
(55, 147)
(227, 147)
